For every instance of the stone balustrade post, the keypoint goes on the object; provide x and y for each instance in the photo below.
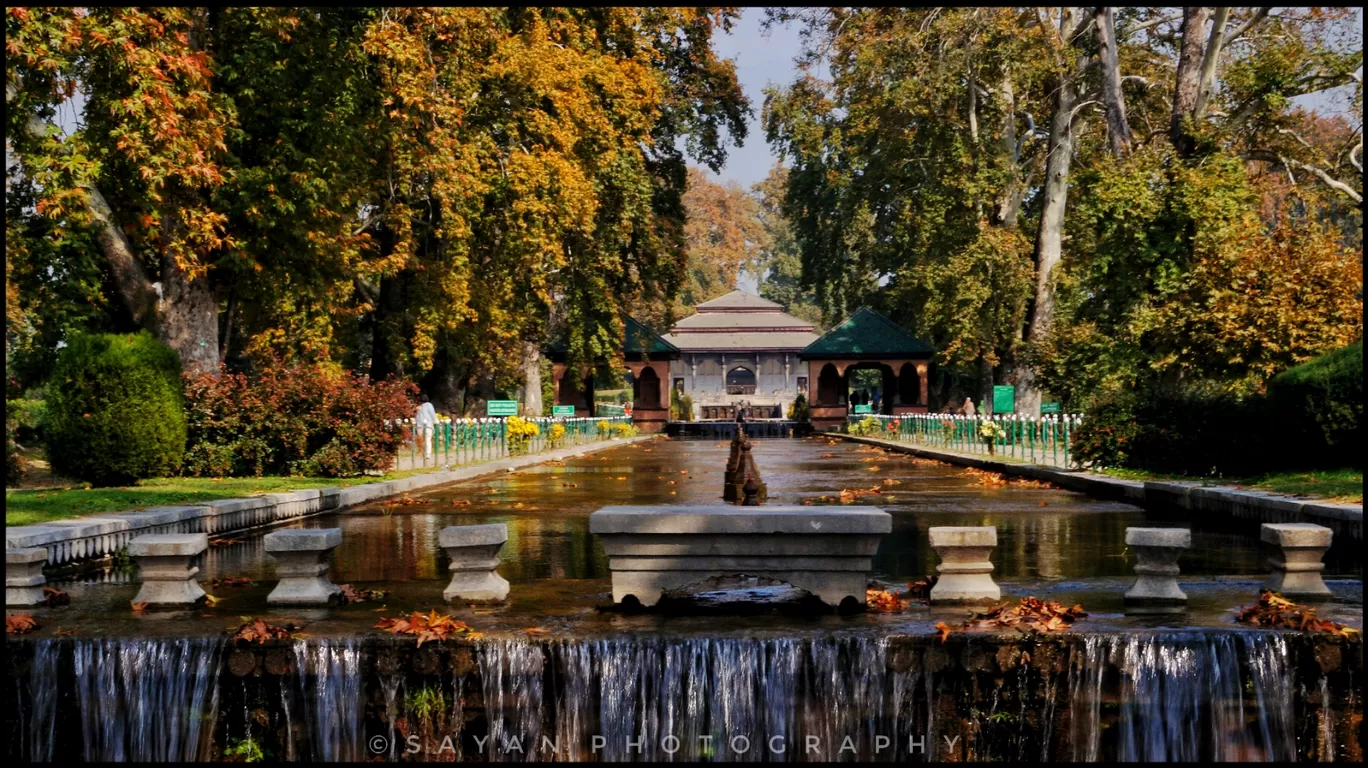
(163, 561)
(1156, 565)
(1297, 572)
(965, 570)
(474, 554)
(24, 576)
(301, 556)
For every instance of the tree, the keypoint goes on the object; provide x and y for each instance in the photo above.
(779, 267)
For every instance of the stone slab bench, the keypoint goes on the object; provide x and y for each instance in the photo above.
(826, 551)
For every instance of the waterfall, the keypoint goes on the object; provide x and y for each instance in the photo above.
(330, 684)
(146, 699)
(1172, 696)
(1180, 697)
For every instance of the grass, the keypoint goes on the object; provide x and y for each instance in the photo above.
(40, 505)
(1343, 486)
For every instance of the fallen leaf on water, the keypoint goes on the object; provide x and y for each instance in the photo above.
(55, 597)
(223, 542)
(210, 600)
(683, 471)
(1044, 503)
(20, 624)
(1275, 611)
(873, 469)
(828, 455)
(569, 485)
(944, 630)
(883, 601)
(460, 502)
(537, 631)
(890, 481)
(621, 477)
(138, 607)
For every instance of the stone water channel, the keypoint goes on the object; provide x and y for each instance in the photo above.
(98, 682)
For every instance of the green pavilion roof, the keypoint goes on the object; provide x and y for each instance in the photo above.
(866, 334)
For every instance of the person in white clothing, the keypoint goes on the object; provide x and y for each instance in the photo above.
(425, 422)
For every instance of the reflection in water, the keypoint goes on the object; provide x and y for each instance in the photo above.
(1042, 533)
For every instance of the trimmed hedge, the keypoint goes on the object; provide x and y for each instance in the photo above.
(1318, 407)
(115, 413)
(1310, 419)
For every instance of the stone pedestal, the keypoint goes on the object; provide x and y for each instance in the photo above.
(24, 576)
(1156, 565)
(474, 553)
(964, 568)
(302, 564)
(163, 560)
(1297, 573)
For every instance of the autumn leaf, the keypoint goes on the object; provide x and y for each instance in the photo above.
(20, 624)
(138, 607)
(944, 630)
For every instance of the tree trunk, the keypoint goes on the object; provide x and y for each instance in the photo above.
(1206, 81)
(1007, 207)
(532, 383)
(1050, 236)
(1188, 87)
(1119, 135)
(130, 280)
(187, 313)
(387, 345)
(444, 384)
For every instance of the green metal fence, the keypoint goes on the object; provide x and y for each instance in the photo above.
(457, 442)
(1043, 440)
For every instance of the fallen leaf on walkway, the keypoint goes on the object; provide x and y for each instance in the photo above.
(890, 481)
(426, 626)
(258, 631)
(1275, 612)
(883, 601)
(355, 595)
(20, 624)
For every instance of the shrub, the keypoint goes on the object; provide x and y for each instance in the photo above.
(28, 417)
(519, 433)
(866, 426)
(295, 420)
(557, 435)
(604, 428)
(624, 430)
(799, 410)
(681, 405)
(115, 410)
(1317, 408)
(1193, 431)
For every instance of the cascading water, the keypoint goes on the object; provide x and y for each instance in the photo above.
(1127, 697)
(146, 699)
(330, 683)
(1180, 697)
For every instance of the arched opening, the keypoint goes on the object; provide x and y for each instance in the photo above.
(740, 381)
(871, 384)
(646, 390)
(909, 385)
(829, 386)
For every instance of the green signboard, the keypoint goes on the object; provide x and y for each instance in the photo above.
(501, 407)
(859, 409)
(1004, 399)
(1051, 407)
(562, 410)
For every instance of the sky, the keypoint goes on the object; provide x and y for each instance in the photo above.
(761, 60)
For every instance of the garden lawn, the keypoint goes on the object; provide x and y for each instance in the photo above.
(34, 507)
(1342, 486)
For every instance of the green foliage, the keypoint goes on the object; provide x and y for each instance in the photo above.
(115, 410)
(245, 750)
(681, 405)
(868, 426)
(28, 415)
(779, 267)
(799, 409)
(15, 466)
(1318, 406)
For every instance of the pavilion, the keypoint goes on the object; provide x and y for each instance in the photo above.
(866, 340)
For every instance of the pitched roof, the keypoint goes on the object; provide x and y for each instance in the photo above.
(866, 334)
(739, 300)
(725, 321)
(740, 340)
(637, 338)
